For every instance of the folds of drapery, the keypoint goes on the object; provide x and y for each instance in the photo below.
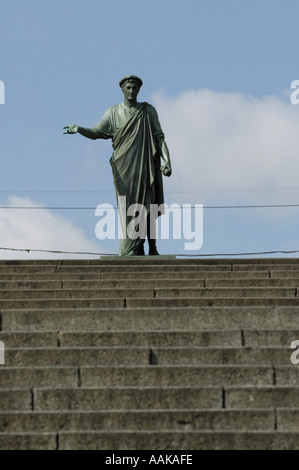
(137, 177)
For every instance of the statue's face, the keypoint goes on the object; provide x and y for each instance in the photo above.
(130, 91)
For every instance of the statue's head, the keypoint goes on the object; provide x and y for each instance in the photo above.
(131, 79)
(130, 86)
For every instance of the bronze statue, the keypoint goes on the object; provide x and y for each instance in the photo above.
(138, 143)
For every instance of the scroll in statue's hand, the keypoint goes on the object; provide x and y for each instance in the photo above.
(72, 129)
(166, 170)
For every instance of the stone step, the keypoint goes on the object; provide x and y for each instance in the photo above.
(114, 274)
(270, 266)
(76, 356)
(277, 274)
(31, 377)
(287, 283)
(200, 440)
(264, 337)
(287, 419)
(213, 338)
(160, 260)
(149, 353)
(149, 398)
(231, 292)
(108, 398)
(10, 286)
(121, 356)
(87, 376)
(59, 304)
(192, 376)
(245, 301)
(223, 338)
(251, 283)
(149, 440)
(137, 303)
(121, 268)
(182, 263)
(148, 267)
(132, 338)
(122, 398)
(283, 396)
(144, 275)
(44, 294)
(110, 284)
(142, 292)
(129, 420)
(28, 441)
(149, 319)
(17, 399)
(175, 376)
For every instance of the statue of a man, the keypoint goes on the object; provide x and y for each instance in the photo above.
(138, 143)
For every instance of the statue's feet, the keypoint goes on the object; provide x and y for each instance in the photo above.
(138, 252)
(153, 252)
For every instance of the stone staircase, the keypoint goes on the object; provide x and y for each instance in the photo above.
(149, 353)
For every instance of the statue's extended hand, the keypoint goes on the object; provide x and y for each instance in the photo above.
(166, 170)
(72, 129)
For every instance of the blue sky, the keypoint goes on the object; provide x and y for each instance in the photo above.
(218, 73)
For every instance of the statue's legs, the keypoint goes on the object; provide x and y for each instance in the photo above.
(152, 235)
(135, 247)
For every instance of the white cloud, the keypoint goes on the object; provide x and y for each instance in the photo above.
(40, 229)
(228, 140)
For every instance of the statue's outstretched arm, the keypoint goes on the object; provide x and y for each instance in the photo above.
(85, 131)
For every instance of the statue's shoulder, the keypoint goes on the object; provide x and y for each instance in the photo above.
(112, 112)
(146, 104)
(114, 108)
(149, 107)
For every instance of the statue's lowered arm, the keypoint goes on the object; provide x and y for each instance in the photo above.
(164, 152)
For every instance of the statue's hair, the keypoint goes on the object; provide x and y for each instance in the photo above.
(130, 78)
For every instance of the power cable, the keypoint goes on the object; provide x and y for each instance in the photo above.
(255, 206)
(194, 255)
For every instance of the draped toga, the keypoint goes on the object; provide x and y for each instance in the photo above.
(136, 139)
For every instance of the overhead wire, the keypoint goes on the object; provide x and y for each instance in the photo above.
(253, 206)
(193, 255)
(184, 255)
(177, 190)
